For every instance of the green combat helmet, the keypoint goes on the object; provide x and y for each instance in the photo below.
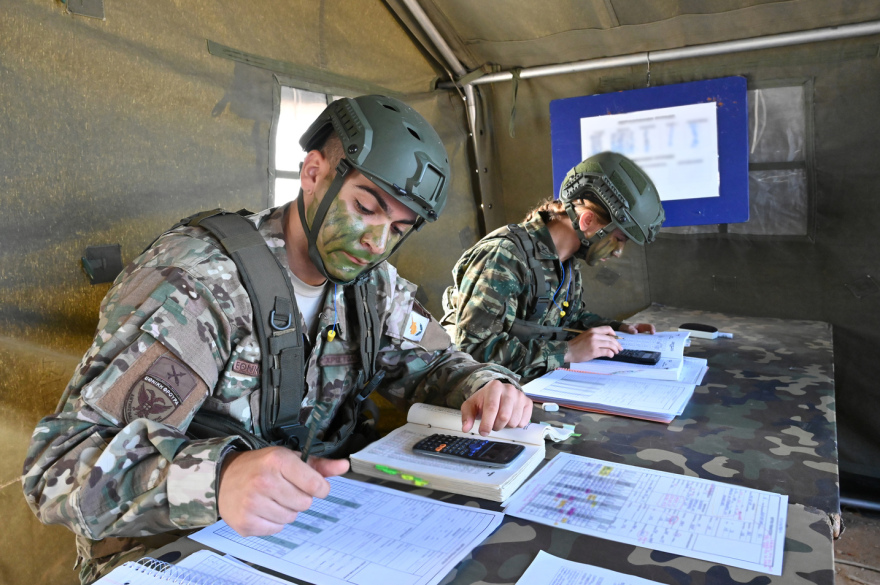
(623, 189)
(389, 143)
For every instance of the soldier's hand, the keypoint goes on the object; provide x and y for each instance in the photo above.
(593, 343)
(637, 328)
(261, 491)
(498, 405)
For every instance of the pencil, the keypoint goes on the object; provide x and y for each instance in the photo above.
(579, 331)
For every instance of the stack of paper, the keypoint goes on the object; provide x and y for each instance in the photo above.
(655, 400)
(657, 393)
(392, 457)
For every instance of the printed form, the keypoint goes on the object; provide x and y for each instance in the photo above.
(688, 516)
(669, 343)
(549, 570)
(364, 534)
(664, 399)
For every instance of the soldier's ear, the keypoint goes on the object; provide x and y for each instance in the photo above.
(586, 220)
(314, 169)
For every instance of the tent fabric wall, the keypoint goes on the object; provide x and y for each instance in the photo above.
(523, 33)
(111, 131)
(788, 277)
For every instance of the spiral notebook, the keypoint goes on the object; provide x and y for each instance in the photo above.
(200, 568)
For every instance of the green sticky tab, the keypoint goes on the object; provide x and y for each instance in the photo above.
(387, 470)
(575, 434)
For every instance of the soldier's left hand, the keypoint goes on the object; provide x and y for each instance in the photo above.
(637, 328)
(498, 405)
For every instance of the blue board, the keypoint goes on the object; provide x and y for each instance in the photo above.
(729, 94)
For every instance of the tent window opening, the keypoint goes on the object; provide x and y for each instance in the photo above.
(780, 165)
(297, 109)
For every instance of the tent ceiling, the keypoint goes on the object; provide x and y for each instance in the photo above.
(524, 33)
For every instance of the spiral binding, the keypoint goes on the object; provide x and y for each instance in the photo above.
(167, 572)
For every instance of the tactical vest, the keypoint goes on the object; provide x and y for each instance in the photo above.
(283, 345)
(533, 327)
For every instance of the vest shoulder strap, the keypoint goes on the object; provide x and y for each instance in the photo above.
(538, 289)
(276, 317)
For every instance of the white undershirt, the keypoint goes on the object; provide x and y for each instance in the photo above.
(309, 299)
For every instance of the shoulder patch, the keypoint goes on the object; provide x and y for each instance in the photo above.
(415, 327)
(159, 391)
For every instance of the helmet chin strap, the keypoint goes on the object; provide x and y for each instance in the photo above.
(312, 232)
(342, 170)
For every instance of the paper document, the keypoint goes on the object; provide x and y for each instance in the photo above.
(365, 535)
(687, 370)
(670, 344)
(223, 569)
(693, 371)
(665, 369)
(688, 516)
(549, 570)
(656, 400)
(200, 568)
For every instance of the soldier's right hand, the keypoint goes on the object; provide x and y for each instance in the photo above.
(593, 343)
(261, 491)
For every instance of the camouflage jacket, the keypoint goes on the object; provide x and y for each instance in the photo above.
(175, 335)
(492, 289)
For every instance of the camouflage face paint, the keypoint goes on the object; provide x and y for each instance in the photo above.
(341, 240)
(607, 247)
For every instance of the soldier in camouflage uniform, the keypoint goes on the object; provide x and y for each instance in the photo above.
(176, 338)
(517, 301)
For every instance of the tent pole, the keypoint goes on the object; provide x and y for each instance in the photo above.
(726, 47)
(470, 100)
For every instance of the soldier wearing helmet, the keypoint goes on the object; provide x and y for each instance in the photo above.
(166, 426)
(517, 297)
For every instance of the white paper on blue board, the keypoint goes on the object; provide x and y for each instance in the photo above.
(677, 147)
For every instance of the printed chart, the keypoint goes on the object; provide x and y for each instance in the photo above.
(364, 534)
(689, 516)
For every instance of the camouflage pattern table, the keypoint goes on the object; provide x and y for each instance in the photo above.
(763, 418)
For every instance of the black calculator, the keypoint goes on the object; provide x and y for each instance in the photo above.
(478, 451)
(635, 356)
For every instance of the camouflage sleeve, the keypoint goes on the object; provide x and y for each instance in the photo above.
(493, 291)
(114, 461)
(584, 319)
(420, 362)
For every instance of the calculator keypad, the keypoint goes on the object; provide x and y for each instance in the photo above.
(452, 445)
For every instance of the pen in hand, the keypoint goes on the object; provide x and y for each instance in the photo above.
(319, 414)
(578, 331)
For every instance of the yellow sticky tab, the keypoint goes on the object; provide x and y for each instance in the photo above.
(420, 482)
(407, 477)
